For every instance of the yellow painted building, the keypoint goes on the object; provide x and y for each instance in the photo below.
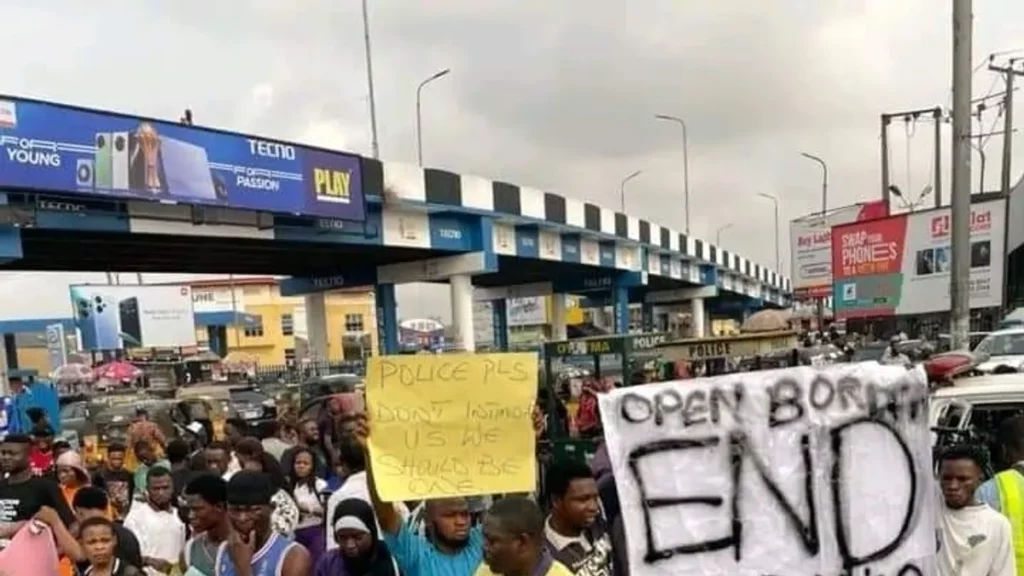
(278, 336)
(32, 355)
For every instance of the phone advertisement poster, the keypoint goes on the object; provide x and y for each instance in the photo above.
(901, 265)
(811, 246)
(49, 147)
(117, 317)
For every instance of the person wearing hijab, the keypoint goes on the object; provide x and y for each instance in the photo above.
(360, 551)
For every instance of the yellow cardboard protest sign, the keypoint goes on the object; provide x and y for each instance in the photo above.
(451, 424)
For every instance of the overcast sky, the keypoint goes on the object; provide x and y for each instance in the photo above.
(558, 95)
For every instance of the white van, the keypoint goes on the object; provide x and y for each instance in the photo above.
(975, 406)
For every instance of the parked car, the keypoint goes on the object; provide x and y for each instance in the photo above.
(916, 350)
(972, 409)
(1005, 349)
(73, 419)
(257, 409)
(330, 384)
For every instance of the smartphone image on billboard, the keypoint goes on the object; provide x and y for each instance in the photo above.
(131, 323)
(83, 172)
(186, 169)
(119, 160)
(108, 325)
(102, 170)
(85, 319)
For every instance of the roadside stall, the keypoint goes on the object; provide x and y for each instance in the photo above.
(200, 367)
(575, 370)
(728, 354)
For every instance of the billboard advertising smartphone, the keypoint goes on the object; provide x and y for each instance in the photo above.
(901, 264)
(810, 247)
(115, 317)
(91, 153)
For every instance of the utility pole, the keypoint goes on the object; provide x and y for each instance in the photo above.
(959, 279)
(1009, 73)
(936, 114)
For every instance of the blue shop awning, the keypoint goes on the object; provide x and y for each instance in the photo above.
(34, 325)
(227, 318)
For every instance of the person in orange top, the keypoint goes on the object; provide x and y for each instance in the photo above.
(145, 430)
(71, 475)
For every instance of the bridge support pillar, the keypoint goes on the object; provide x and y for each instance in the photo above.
(387, 319)
(499, 324)
(316, 326)
(559, 330)
(697, 319)
(620, 306)
(462, 311)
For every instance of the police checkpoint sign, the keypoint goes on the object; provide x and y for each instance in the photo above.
(794, 472)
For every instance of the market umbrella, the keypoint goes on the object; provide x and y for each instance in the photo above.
(73, 372)
(117, 371)
(767, 321)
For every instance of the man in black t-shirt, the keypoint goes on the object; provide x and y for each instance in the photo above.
(22, 494)
(118, 483)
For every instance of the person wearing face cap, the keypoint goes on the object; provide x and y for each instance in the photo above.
(360, 551)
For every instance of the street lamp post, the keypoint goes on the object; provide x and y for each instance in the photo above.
(686, 167)
(894, 190)
(824, 209)
(775, 201)
(622, 189)
(419, 117)
(374, 143)
(824, 180)
(718, 233)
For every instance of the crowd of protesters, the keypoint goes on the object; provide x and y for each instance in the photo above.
(301, 502)
(298, 504)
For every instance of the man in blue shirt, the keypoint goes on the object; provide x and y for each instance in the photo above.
(26, 396)
(452, 546)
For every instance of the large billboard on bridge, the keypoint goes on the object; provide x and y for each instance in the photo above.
(116, 317)
(56, 148)
(901, 264)
(810, 240)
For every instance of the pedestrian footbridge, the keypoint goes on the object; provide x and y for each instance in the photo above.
(330, 219)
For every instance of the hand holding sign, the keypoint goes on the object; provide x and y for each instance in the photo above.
(451, 425)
